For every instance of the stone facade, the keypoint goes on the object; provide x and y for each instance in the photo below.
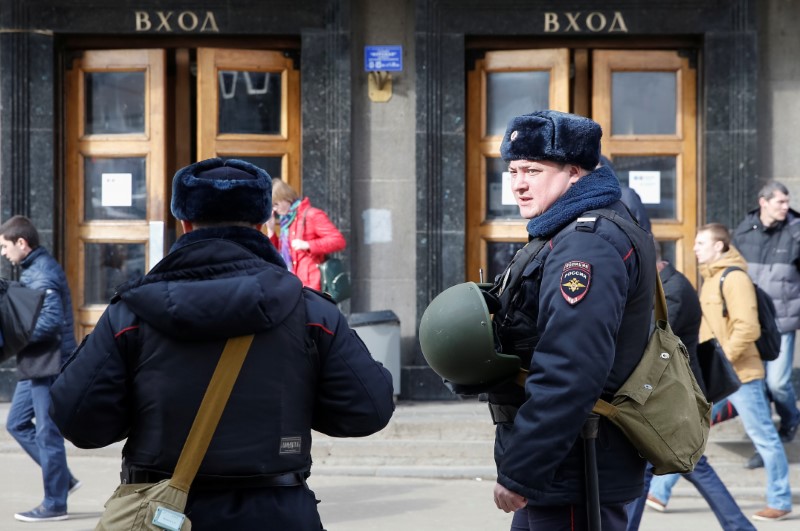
(404, 160)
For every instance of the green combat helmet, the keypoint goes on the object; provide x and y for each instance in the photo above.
(457, 340)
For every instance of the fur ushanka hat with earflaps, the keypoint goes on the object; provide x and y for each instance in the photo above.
(552, 135)
(217, 190)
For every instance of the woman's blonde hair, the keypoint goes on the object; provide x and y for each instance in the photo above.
(281, 191)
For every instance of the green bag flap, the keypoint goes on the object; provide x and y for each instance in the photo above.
(655, 360)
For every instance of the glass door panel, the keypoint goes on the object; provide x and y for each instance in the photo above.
(632, 98)
(114, 102)
(503, 85)
(114, 188)
(107, 265)
(655, 180)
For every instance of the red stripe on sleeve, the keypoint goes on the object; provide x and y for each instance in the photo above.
(628, 255)
(320, 326)
(125, 330)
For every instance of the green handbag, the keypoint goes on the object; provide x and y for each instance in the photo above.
(334, 279)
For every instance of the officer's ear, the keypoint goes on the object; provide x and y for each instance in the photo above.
(575, 173)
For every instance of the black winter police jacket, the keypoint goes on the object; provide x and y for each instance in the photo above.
(589, 297)
(142, 372)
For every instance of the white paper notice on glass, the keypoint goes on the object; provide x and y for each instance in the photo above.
(647, 184)
(117, 189)
(508, 195)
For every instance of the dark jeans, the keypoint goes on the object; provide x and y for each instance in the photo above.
(567, 518)
(708, 484)
(42, 440)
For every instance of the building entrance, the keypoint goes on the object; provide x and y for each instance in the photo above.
(133, 117)
(646, 103)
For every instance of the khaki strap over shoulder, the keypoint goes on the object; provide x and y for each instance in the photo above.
(207, 418)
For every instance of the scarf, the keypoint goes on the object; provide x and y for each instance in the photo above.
(595, 190)
(285, 246)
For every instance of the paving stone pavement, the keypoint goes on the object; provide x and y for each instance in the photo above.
(430, 469)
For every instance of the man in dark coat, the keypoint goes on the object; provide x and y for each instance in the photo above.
(769, 239)
(579, 318)
(143, 370)
(38, 363)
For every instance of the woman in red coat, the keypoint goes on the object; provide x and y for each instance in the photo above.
(302, 234)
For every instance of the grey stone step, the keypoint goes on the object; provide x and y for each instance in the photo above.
(401, 452)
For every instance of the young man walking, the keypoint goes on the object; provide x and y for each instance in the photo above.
(38, 364)
(737, 332)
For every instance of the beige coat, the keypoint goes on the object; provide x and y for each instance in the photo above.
(738, 332)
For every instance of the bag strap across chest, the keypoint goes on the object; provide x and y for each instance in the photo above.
(207, 418)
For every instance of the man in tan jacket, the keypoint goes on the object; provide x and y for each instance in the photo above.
(737, 333)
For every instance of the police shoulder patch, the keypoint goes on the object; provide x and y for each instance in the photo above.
(576, 277)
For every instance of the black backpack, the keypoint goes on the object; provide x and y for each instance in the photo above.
(769, 344)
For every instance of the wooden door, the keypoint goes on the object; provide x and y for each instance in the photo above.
(646, 103)
(116, 174)
(248, 107)
(503, 85)
(644, 100)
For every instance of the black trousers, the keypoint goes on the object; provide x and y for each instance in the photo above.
(613, 517)
(268, 509)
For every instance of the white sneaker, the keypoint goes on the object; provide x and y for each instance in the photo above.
(655, 503)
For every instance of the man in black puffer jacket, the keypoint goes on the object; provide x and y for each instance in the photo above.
(142, 372)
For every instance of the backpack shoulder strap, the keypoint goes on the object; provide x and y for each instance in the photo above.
(721, 282)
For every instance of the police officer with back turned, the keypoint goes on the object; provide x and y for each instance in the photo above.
(575, 305)
(143, 370)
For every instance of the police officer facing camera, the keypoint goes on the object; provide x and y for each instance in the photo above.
(144, 369)
(575, 306)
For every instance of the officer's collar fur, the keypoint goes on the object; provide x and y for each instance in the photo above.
(254, 240)
(598, 189)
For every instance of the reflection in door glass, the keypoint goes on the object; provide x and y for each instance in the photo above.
(114, 102)
(654, 179)
(114, 188)
(495, 207)
(643, 103)
(249, 102)
(498, 256)
(271, 164)
(107, 265)
(668, 251)
(509, 94)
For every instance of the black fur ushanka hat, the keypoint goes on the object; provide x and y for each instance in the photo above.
(552, 135)
(215, 190)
